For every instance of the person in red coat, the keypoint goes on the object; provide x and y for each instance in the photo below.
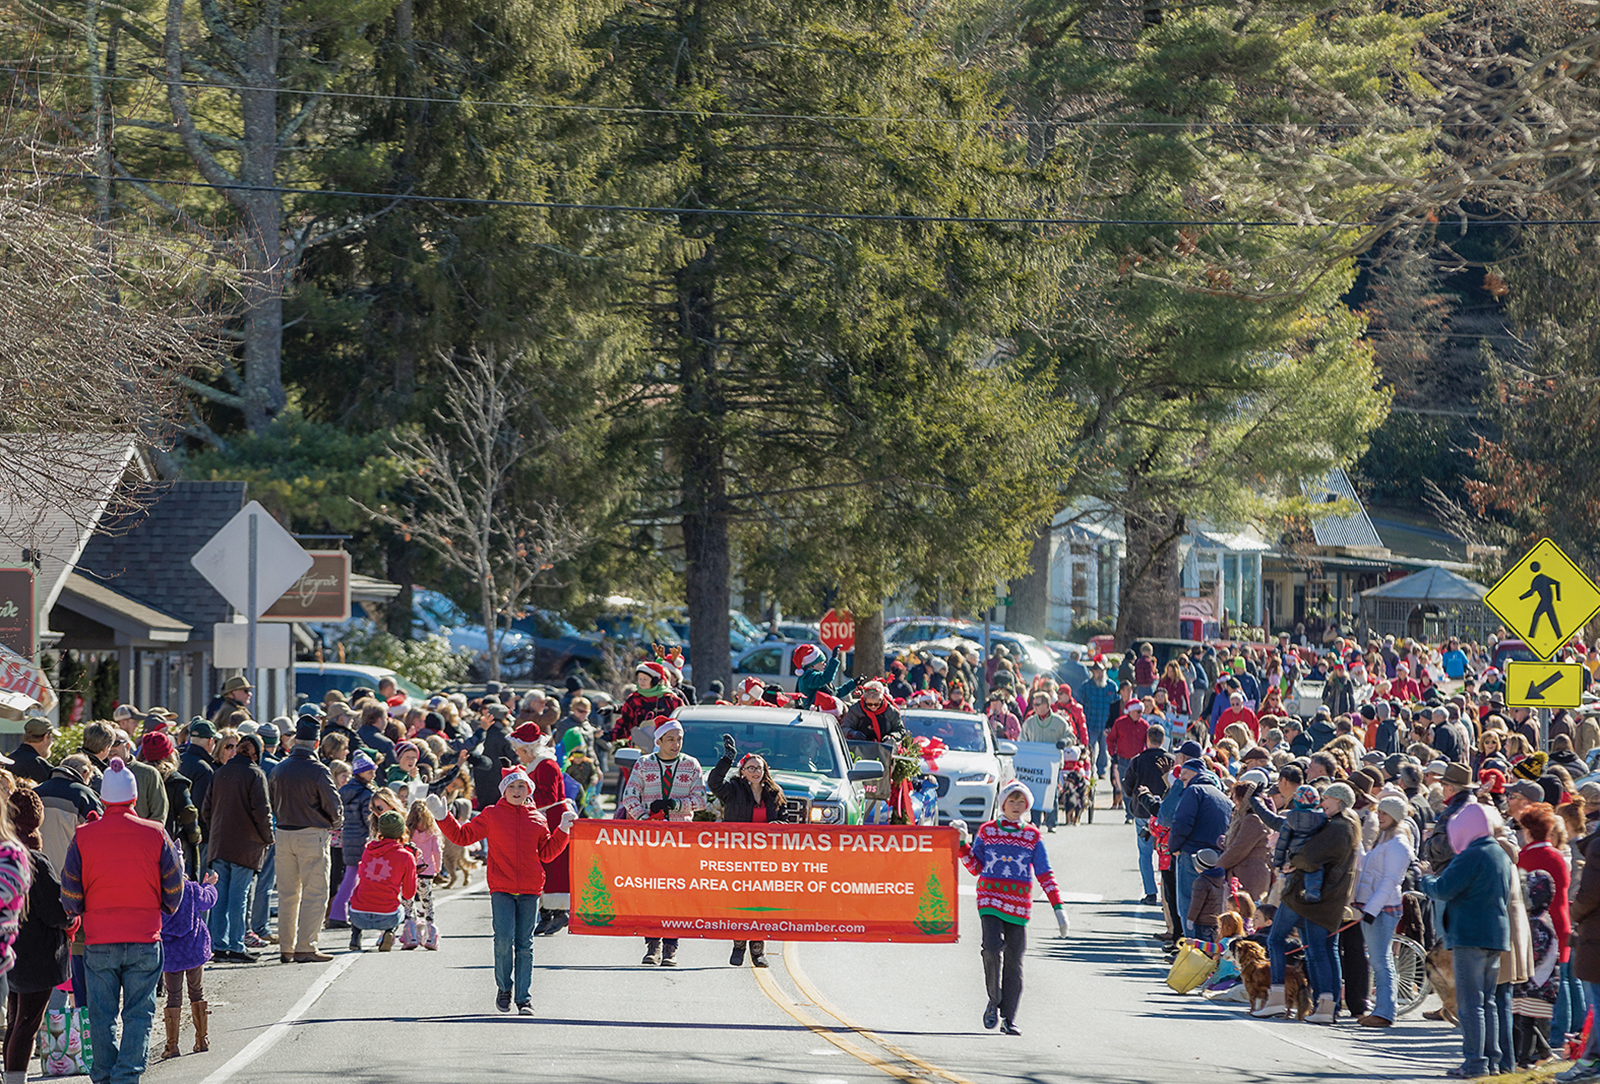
(385, 878)
(549, 795)
(1068, 708)
(121, 874)
(1236, 712)
(1126, 740)
(520, 842)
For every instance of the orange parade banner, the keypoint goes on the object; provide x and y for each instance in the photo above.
(746, 882)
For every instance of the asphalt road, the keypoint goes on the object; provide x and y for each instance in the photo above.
(1094, 1008)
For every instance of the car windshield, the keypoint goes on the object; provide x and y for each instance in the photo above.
(314, 684)
(743, 625)
(785, 748)
(1514, 654)
(961, 735)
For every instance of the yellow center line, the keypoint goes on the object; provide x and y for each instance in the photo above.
(770, 987)
(791, 963)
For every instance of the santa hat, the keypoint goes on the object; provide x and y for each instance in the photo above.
(509, 776)
(875, 687)
(526, 736)
(750, 690)
(666, 727)
(828, 704)
(656, 670)
(805, 655)
(1013, 787)
(925, 698)
(118, 783)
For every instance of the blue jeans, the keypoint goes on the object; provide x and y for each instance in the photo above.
(1046, 817)
(1122, 781)
(514, 917)
(1183, 864)
(1571, 1008)
(1102, 757)
(1321, 955)
(261, 898)
(123, 975)
(1477, 975)
(1591, 992)
(1147, 855)
(1379, 934)
(376, 920)
(1507, 1043)
(227, 917)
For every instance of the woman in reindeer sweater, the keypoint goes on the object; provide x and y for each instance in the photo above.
(1005, 856)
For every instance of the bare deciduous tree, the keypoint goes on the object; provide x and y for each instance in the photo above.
(97, 328)
(465, 475)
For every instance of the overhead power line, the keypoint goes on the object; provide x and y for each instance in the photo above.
(822, 118)
(742, 212)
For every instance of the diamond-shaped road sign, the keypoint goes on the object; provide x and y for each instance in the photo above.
(225, 560)
(1544, 684)
(1545, 599)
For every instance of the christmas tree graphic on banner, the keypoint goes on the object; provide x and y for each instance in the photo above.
(594, 903)
(933, 909)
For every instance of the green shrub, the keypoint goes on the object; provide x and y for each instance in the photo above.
(429, 663)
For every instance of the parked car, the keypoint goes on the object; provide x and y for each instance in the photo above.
(434, 613)
(1511, 651)
(914, 630)
(971, 770)
(312, 680)
(559, 648)
(803, 749)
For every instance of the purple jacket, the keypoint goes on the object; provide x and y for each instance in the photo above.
(185, 939)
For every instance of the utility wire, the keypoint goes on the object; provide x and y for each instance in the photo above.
(825, 118)
(740, 212)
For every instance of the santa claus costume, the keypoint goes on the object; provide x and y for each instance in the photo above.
(550, 793)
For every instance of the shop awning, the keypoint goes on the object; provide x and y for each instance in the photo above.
(133, 621)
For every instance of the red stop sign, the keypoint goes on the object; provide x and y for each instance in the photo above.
(838, 630)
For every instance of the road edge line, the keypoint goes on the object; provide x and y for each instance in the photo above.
(791, 963)
(269, 1038)
(775, 993)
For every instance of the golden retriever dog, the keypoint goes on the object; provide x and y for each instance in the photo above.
(455, 855)
(1254, 971)
(1442, 976)
(1296, 990)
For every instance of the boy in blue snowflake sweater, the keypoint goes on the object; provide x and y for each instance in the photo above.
(1005, 856)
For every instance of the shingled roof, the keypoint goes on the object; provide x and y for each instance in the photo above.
(146, 556)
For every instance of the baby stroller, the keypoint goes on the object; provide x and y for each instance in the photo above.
(1072, 791)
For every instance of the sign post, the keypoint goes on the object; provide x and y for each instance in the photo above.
(251, 562)
(1544, 599)
(837, 630)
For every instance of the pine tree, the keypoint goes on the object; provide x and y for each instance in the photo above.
(933, 908)
(594, 902)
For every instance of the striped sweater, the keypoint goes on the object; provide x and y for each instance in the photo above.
(1006, 857)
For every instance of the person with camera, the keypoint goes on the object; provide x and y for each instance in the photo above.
(752, 796)
(664, 786)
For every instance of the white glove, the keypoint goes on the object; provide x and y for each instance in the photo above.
(1062, 925)
(568, 818)
(962, 833)
(435, 806)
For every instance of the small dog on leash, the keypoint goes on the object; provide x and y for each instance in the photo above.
(1254, 971)
(1296, 990)
(456, 859)
(1442, 977)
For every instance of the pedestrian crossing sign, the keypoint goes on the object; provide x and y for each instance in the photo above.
(1544, 684)
(1545, 600)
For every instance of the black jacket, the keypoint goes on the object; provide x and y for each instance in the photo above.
(859, 726)
(486, 764)
(1151, 769)
(738, 804)
(41, 944)
(29, 764)
(238, 814)
(198, 766)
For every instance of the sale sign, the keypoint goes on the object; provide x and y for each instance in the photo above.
(753, 882)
